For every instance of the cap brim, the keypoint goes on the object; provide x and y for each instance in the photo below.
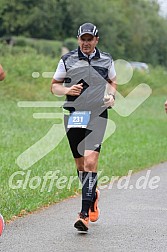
(91, 33)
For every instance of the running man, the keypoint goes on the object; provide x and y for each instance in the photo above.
(88, 79)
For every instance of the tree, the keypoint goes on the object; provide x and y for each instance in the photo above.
(128, 29)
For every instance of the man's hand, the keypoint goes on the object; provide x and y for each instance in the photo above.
(109, 100)
(75, 90)
(166, 106)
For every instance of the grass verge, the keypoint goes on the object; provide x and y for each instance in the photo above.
(140, 140)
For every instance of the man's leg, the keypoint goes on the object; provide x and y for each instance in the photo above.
(86, 169)
(88, 176)
(91, 161)
(80, 167)
(89, 181)
(75, 137)
(87, 173)
(86, 160)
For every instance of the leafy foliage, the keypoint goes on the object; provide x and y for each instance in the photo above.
(128, 29)
(70, 43)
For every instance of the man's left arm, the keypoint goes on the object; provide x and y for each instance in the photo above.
(109, 97)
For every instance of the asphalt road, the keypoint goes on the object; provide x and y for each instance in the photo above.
(133, 219)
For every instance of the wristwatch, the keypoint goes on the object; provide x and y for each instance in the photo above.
(112, 95)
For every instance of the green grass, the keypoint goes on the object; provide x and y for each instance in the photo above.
(140, 140)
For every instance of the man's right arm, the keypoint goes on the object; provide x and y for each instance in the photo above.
(57, 86)
(2, 73)
(166, 106)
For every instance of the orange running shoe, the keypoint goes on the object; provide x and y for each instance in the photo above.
(94, 211)
(82, 223)
(2, 224)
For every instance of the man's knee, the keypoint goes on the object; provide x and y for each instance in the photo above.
(91, 160)
(79, 163)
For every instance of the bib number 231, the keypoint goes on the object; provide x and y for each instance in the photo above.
(79, 119)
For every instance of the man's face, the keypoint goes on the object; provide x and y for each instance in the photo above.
(87, 43)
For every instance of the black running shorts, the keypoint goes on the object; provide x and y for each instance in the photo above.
(90, 138)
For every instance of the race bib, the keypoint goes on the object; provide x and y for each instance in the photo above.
(79, 119)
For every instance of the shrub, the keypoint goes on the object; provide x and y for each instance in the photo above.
(70, 43)
(42, 46)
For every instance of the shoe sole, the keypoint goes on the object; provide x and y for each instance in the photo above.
(80, 226)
